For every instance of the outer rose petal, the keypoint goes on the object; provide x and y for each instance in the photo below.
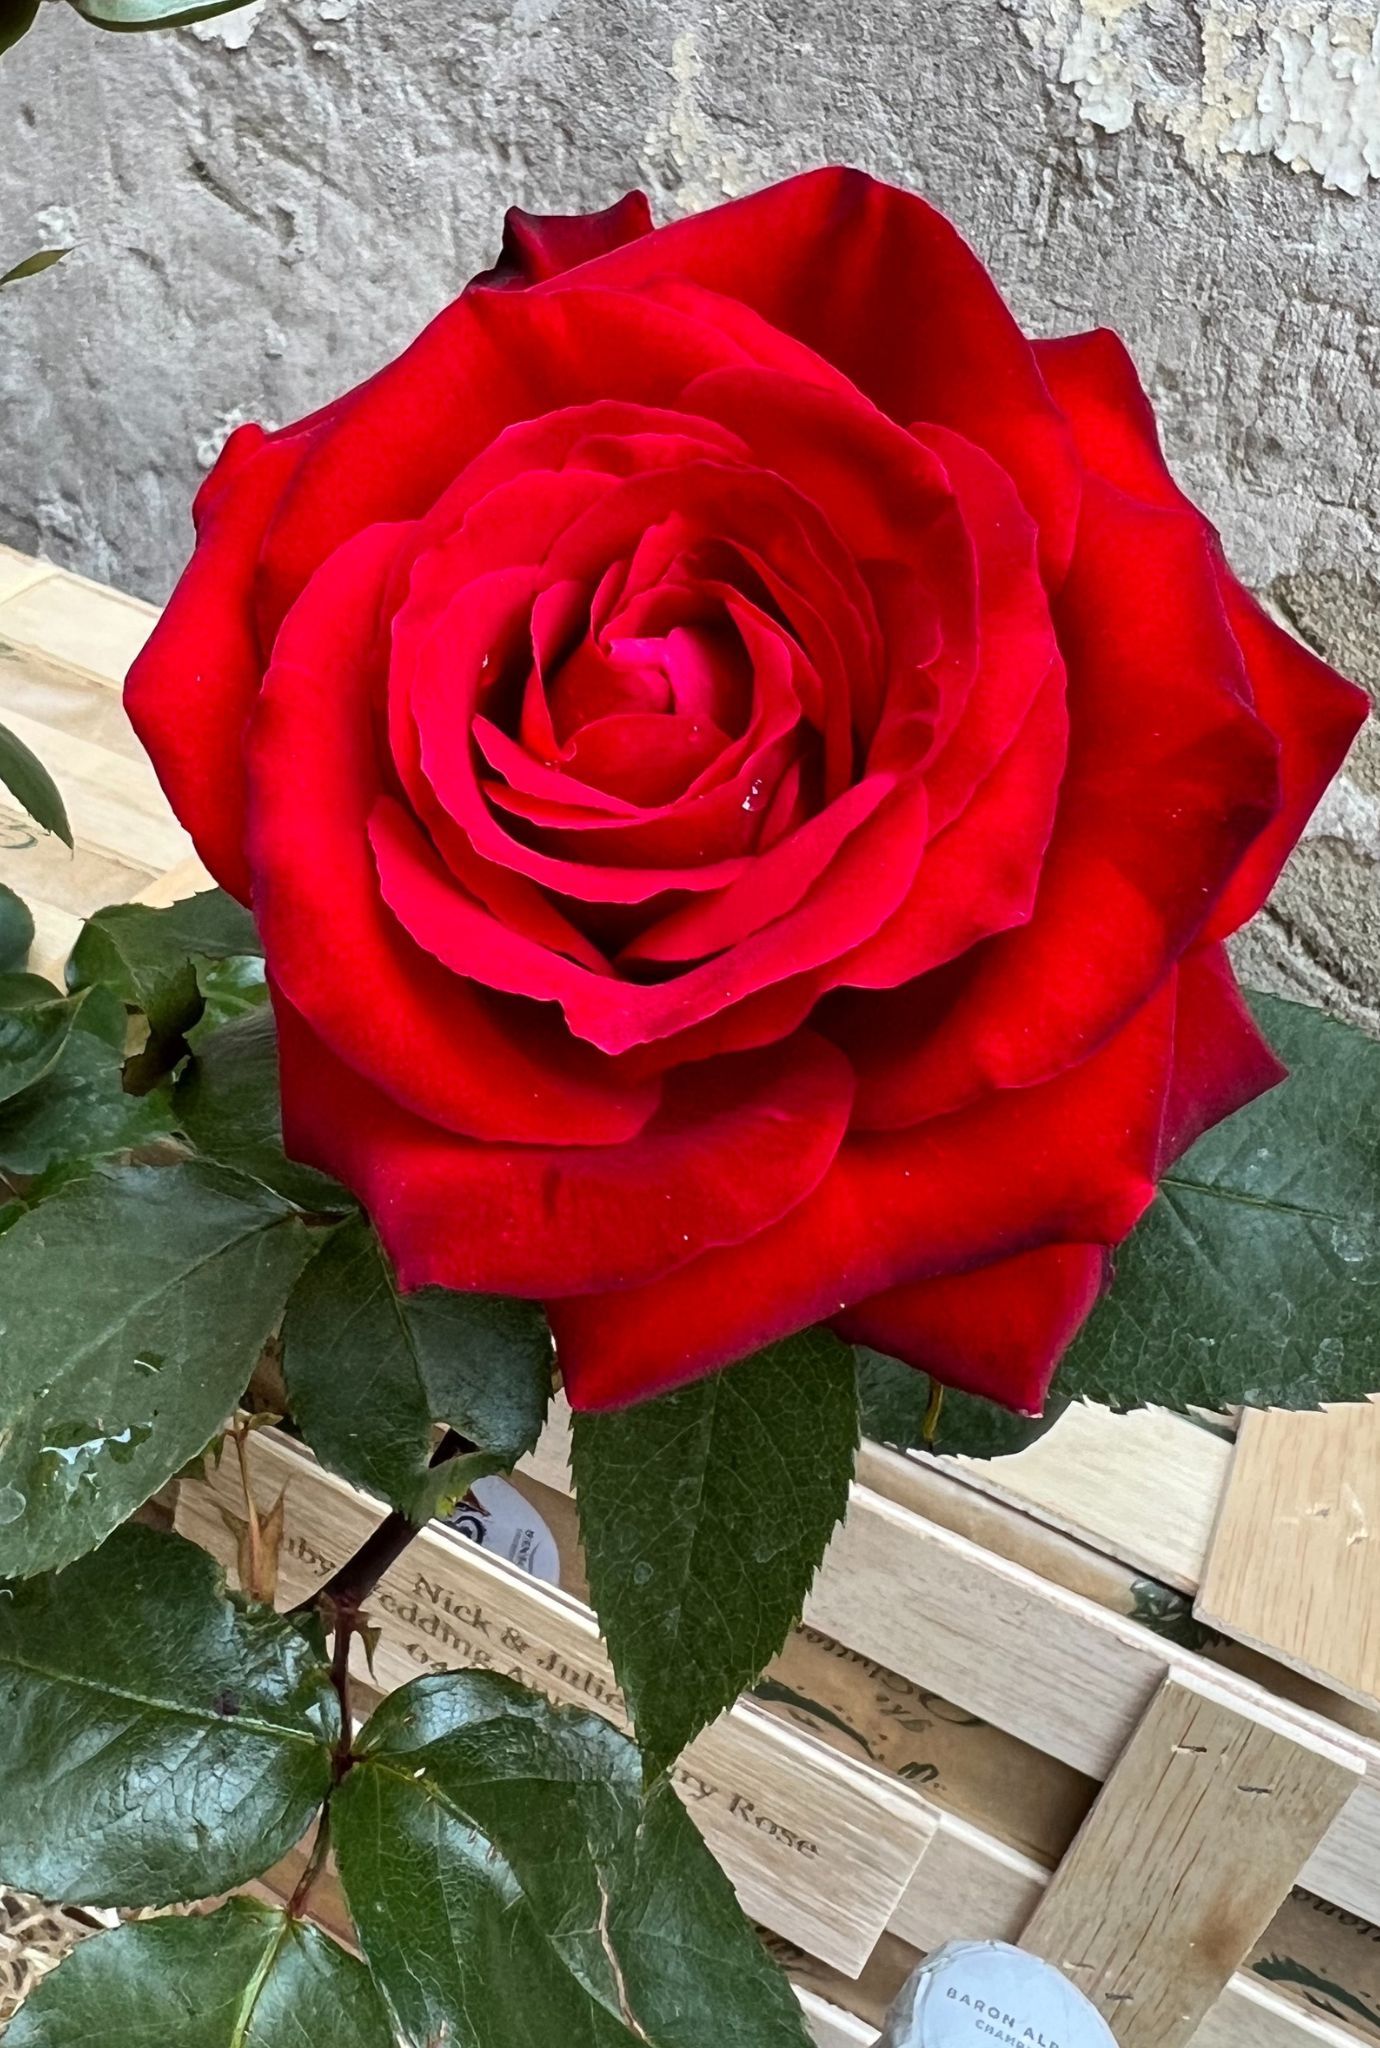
(192, 690)
(884, 288)
(1221, 1062)
(1314, 712)
(998, 1331)
(541, 245)
(738, 1144)
(1067, 1162)
(490, 359)
(1169, 778)
(1001, 1330)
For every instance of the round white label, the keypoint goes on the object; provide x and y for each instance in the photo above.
(984, 1994)
(496, 1516)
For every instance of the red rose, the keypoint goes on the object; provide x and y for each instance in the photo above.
(743, 765)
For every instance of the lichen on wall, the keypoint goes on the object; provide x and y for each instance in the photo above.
(1297, 80)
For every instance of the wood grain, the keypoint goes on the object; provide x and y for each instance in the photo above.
(64, 647)
(1193, 1844)
(820, 1848)
(1143, 1488)
(1056, 1670)
(831, 2027)
(1059, 1671)
(1294, 1567)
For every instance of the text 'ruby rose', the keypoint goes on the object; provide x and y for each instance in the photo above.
(743, 765)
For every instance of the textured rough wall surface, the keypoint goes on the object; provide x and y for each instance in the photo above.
(265, 206)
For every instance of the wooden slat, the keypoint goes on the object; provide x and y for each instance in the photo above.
(782, 1813)
(830, 2026)
(1143, 1487)
(1061, 1673)
(83, 625)
(1295, 1563)
(967, 1883)
(1194, 1843)
(1057, 1670)
(18, 571)
(1251, 2015)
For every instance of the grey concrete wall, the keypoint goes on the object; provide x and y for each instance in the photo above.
(265, 206)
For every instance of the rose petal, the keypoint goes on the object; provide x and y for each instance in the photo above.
(886, 290)
(980, 875)
(1314, 713)
(863, 882)
(191, 691)
(1070, 1161)
(448, 1050)
(491, 358)
(998, 1331)
(735, 1146)
(1221, 1061)
(1169, 778)
(542, 245)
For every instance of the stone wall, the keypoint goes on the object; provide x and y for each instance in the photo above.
(266, 205)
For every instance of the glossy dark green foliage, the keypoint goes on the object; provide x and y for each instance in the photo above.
(163, 1740)
(112, 1384)
(21, 771)
(370, 1372)
(227, 1102)
(895, 1403)
(245, 1976)
(146, 14)
(148, 957)
(514, 1887)
(1255, 1278)
(705, 1514)
(16, 932)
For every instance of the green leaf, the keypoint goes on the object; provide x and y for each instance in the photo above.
(370, 1371)
(149, 956)
(36, 1021)
(229, 988)
(79, 1111)
(704, 1516)
(228, 1104)
(16, 16)
(1255, 1278)
(16, 932)
(163, 1740)
(895, 1401)
(21, 771)
(145, 14)
(135, 1302)
(514, 1887)
(245, 1976)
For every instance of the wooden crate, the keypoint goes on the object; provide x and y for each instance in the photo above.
(981, 1726)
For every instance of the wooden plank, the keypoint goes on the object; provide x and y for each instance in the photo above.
(1051, 1667)
(1295, 1561)
(1251, 2015)
(830, 2026)
(18, 571)
(971, 1886)
(1056, 1670)
(1193, 1844)
(820, 1848)
(1143, 1488)
(83, 625)
(114, 803)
